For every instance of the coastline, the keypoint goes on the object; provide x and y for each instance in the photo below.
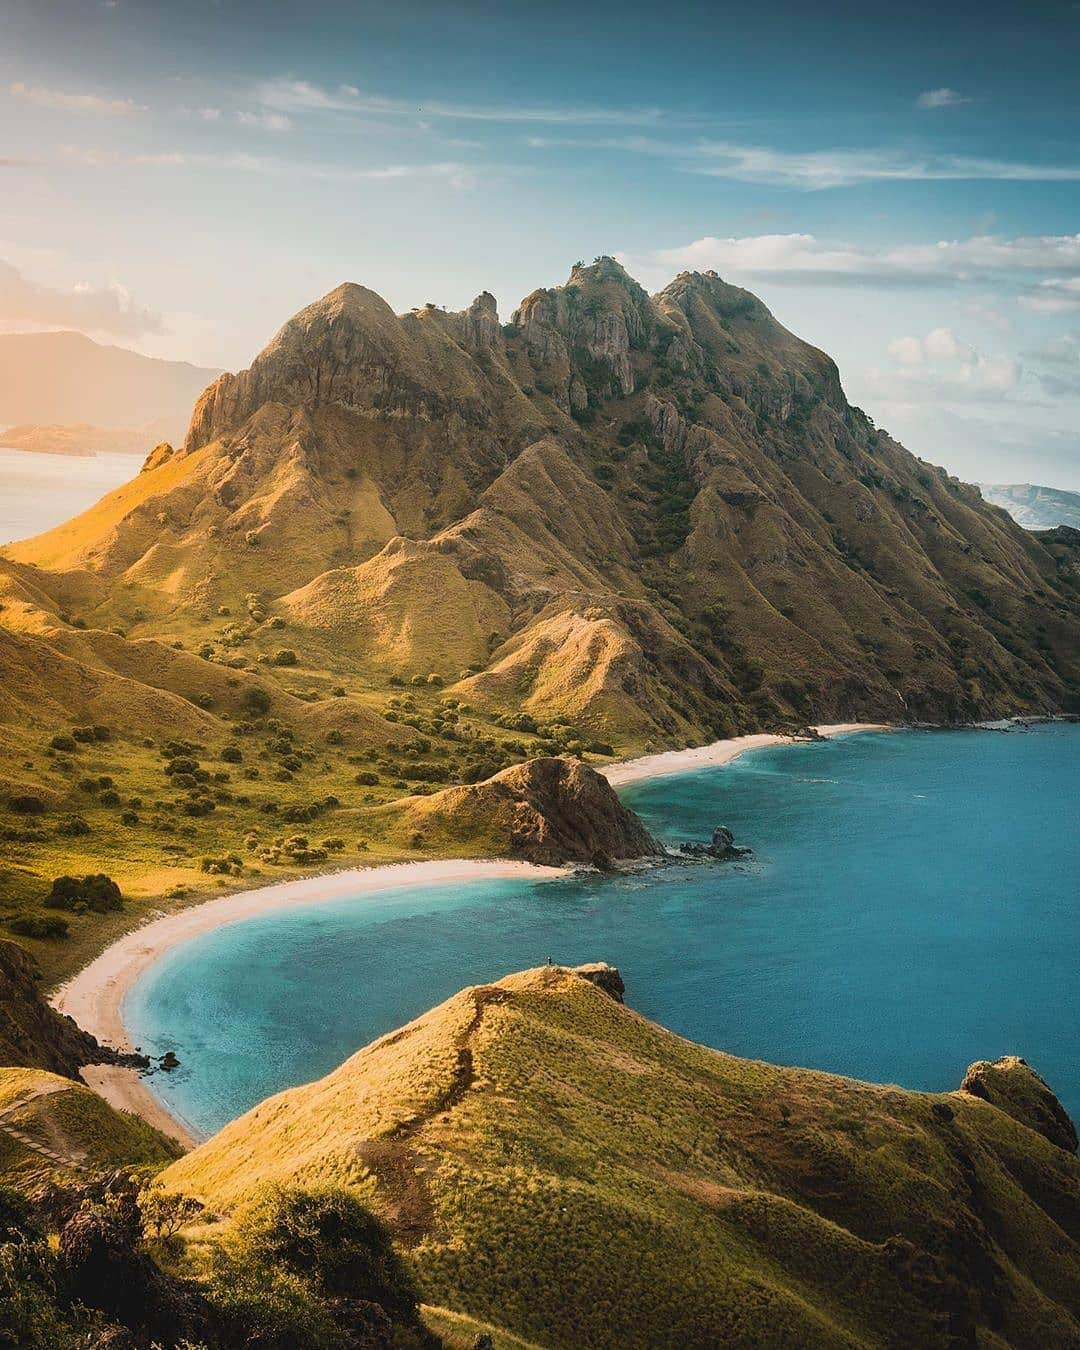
(94, 997)
(667, 762)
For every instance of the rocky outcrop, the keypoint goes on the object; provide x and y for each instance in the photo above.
(32, 1035)
(1013, 1086)
(605, 977)
(721, 846)
(549, 811)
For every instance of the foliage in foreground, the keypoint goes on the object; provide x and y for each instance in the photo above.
(130, 1265)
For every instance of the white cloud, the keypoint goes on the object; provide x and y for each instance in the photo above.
(804, 258)
(265, 120)
(908, 351)
(1055, 295)
(300, 96)
(942, 367)
(59, 101)
(210, 114)
(457, 174)
(941, 345)
(106, 309)
(940, 98)
(815, 170)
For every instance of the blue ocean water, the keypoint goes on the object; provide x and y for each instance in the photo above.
(913, 904)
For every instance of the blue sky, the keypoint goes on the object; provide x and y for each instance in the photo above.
(902, 187)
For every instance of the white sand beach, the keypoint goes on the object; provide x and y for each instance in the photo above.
(719, 752)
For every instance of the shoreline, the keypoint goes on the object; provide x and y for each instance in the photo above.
(667, 762)
(94, 996)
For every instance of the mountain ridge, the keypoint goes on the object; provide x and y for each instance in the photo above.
(63, 378)
(563, 1168)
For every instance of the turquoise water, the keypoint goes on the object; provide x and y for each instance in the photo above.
(913, 904)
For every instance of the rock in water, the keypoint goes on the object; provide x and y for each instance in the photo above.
(722, 846)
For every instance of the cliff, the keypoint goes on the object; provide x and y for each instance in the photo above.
(32, 1035)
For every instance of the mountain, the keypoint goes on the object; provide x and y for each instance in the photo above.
(65, 378)
(658, 516)
(1036, 508)
(568, 1171)
(403, 553)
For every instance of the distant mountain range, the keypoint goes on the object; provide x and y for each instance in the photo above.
(1035, 507)
(64, 378)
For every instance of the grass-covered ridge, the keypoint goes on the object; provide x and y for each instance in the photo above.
(564, 1169)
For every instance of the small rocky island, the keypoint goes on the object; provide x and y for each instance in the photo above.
(721, 846)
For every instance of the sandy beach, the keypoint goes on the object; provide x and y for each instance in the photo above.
(719, 752)
(94, 997)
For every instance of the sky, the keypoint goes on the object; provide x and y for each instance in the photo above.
(900, 184)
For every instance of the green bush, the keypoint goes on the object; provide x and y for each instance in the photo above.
(257, 701)
(97, 892)
(327, 1238)
(284, 656)
(26, 805)
(39, 926)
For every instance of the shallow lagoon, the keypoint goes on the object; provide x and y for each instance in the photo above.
(913, 904)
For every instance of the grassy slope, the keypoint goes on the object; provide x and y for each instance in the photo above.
(571, 1172)
(72, 1123)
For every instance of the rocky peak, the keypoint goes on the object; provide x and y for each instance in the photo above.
(349, 348)
(583, 332)
(482, 330)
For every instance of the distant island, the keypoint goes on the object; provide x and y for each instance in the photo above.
(1035, 507)
(66, 379)
(78, 439)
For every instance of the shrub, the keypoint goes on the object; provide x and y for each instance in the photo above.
(39, 926)
(367, 779)
(97, 892)
(232, 754)
(72, 825)
(64, 743)
(26, 805)
(257, 701)
(326, 1237)
(284, 656)
(181, 764)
